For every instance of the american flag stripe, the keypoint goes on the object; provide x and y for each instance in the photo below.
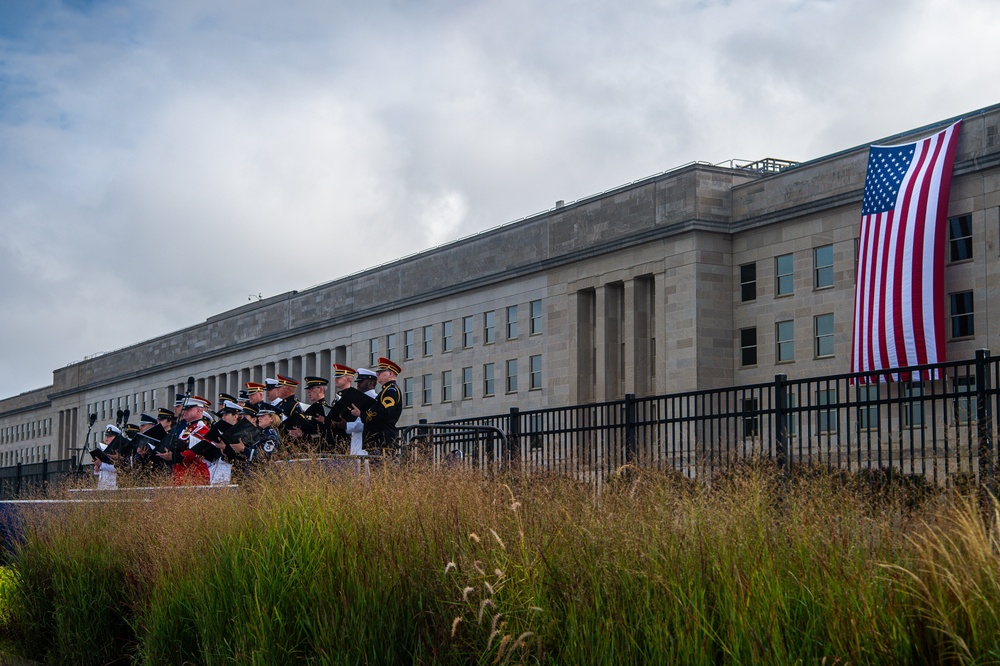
(899, 311)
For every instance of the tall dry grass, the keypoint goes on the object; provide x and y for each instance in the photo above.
(417, 565)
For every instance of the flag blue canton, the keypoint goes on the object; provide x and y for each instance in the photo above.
(886, 167)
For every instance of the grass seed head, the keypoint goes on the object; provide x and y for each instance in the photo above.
(482, 607)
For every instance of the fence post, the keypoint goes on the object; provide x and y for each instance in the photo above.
(984, 420)
(17, 491)
(45, 473)
(630, 419)
(513, 435)
(781, 423)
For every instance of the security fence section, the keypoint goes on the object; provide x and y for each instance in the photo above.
(892, 421)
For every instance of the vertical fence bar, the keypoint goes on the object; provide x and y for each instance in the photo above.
(984, 420)
(513, 435)
(781, 423)
(630, 419)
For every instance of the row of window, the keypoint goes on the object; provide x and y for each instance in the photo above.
(784, 340)
(26, 431)
(31, 454)
(959, 249)
(461, 385)
(465, 336)
(784, 274)
(962, 320)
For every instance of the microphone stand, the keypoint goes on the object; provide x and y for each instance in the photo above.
(86, 439)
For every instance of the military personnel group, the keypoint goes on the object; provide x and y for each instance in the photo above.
(193, 444)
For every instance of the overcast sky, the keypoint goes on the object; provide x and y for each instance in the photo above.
(161, 161)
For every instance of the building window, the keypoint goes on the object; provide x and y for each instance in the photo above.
(373, 352)
(427, 394)
(390, 346)
(748, 282)
(408, 392)
(512, 322)
(467, 337)
(512, 376)
(960, 238)
(962, 316)
(784, 341)
(784, 275)
(965, 403)
(466, 383)
(868, 408)
(913, 414)
(535, 323)
(535, 372)
(446, 386)
(408, 344)
(823, 266)
(428, 340)
(446, 336)
(489, 385)
(489, 327)
(748, 346)
(751, 417)
(823, 325)
(827, 417)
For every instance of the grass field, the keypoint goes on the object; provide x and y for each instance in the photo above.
(424, 566)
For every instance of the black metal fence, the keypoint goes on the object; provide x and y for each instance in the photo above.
(26, 479)
(933, 421)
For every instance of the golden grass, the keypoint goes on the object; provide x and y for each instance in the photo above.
(417, 565)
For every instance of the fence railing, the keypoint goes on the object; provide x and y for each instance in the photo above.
(933, 421)
(25, 478)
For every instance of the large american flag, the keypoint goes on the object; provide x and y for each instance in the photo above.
(899, 309)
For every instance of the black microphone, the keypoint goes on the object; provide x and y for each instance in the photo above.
(190, 385)
(119, 414)
(125, 417)
(93, 419)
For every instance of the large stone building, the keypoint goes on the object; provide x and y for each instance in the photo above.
(700, 277)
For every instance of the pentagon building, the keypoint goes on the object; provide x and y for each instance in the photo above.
(700, 277)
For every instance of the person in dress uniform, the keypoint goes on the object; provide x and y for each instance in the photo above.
(255, 393)
(270, 440)
(317, 410)
(366, 384)
(146, 421)
(380, 417)
(193, 428)
(105, 456)
(337, 438)
(287, 405)
(271, 391)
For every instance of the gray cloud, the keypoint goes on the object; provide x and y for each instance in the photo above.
(161, 162)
